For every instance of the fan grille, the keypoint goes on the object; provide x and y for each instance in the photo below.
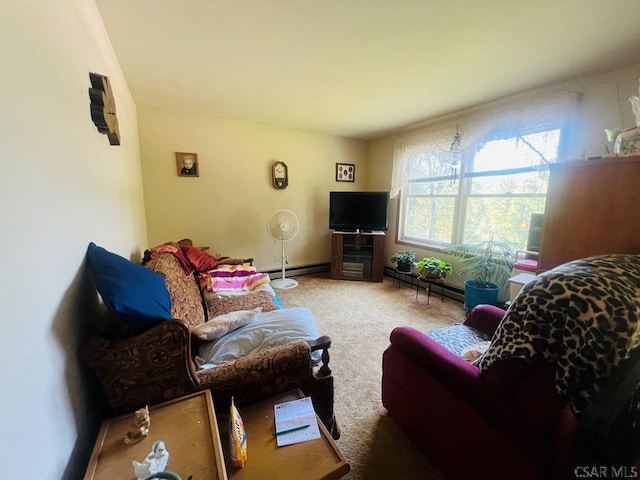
(283, 225)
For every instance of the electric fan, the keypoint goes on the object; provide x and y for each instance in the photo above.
(282, 227)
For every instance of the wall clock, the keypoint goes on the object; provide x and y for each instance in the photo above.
(279, 175)
(103, 107)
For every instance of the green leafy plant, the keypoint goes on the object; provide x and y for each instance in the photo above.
(485, 262)
(404, 256)
(433, 267)
(405, 260)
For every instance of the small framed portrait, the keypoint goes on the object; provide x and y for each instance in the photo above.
(345, 172)
(187, 164)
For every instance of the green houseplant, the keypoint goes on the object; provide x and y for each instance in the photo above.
(432, 267)
(489, 264)
(404, 259)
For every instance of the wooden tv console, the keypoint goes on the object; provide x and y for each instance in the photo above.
(357, 256)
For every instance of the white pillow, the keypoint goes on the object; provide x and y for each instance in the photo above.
(269, 330)
(222, 324)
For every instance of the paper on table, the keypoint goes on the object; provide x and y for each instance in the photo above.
(296, 413)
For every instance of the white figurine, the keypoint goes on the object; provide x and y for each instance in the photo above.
(155, 462)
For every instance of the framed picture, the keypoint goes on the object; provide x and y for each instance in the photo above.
(187, 164)
(345, 172)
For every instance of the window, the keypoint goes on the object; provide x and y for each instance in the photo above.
(486, 187)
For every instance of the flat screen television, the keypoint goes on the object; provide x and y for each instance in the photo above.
(358, 211)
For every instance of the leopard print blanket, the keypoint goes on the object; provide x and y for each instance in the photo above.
(583, 317)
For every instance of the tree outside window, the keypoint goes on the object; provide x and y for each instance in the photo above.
(490, 191)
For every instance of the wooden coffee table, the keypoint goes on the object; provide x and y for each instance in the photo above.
(312, 460)
(186, 425)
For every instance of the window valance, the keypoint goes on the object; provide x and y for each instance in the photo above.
(448, 142)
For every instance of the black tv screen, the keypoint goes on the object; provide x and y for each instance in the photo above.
(352, 211)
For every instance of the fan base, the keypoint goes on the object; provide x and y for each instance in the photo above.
(284, 283)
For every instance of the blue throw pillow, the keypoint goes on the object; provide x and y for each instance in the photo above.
(135, 293)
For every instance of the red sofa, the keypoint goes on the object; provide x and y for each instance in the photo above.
(506, 422)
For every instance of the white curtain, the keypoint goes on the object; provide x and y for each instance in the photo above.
(488, 124)
(436, 144)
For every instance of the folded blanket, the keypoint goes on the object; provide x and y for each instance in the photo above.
(233, 278)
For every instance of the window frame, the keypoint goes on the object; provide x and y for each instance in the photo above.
(464, 181)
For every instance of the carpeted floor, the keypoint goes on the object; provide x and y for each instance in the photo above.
(358, 316)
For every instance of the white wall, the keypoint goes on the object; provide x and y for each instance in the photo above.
(227, 207)
(62, 186)
(603, 103)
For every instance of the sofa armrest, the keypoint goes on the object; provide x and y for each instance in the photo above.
(272, 372)
(144, 369)
(322, 343)
(260, 376)
(485, 318)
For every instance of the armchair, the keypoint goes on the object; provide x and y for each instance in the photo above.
(558, 385)
(506, 422)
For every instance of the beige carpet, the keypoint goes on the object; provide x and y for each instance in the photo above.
(358, 316)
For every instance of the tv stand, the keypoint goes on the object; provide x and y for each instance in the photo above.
(357, 255)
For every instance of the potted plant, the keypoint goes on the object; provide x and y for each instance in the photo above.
(489, 264)
(404, 259)
(433, 268)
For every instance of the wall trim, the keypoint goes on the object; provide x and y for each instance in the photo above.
(450, 291)
(302, 270)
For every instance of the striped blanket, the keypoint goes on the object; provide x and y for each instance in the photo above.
(233, 278)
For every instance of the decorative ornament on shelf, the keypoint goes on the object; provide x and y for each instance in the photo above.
(635, 107)
(627, 142)
(154, 463)
(612, 134)
(140, 423)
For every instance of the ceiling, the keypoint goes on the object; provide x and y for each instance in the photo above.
(359, 68)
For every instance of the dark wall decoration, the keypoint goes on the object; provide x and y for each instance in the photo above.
(103, 107)
(345, 172)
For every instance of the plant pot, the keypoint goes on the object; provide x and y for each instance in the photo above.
(431, 276)
(405, 267)
(475, 295)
